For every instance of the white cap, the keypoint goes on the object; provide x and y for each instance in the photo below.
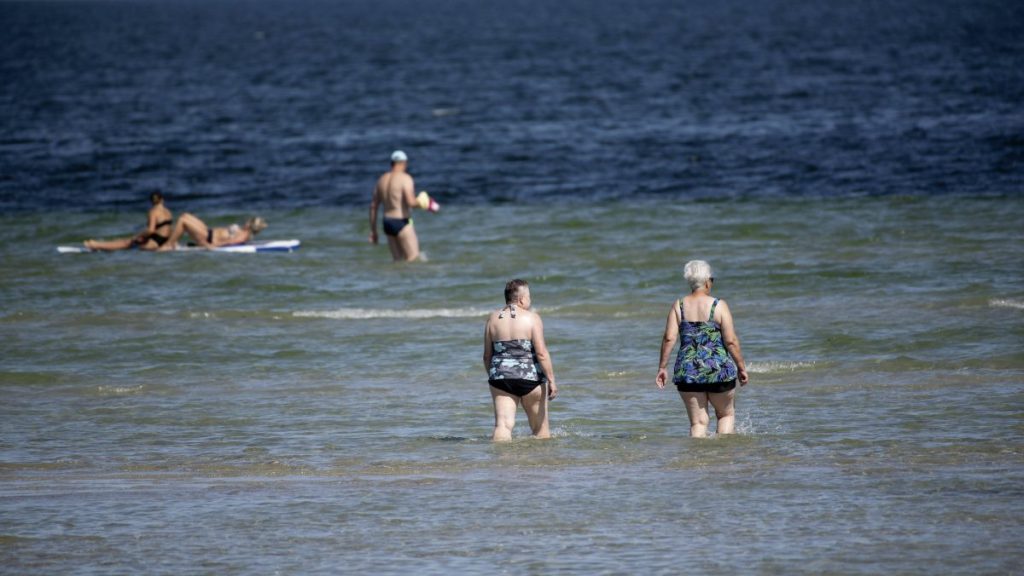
(399, 156)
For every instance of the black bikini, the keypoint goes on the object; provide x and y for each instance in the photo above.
(160, 239)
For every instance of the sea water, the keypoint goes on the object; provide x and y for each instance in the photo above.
(326, 411)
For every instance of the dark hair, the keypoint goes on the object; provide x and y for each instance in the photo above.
(512, 289)
(156, 196)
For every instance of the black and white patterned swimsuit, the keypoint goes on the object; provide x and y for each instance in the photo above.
(514, 367)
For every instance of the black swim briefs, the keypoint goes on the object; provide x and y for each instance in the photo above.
(515, 386)
(392, 226)
(712, 388)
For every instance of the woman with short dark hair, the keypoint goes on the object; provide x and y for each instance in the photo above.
(518, 365)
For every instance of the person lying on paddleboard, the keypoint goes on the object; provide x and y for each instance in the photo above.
(210, 237)
(158, 229)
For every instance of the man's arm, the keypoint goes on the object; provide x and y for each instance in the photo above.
(409, 194)
(374, 202)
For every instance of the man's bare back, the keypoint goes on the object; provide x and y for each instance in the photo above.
(396, 191)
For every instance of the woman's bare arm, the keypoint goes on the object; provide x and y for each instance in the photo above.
(732, 341)
(488, 348)
(668, 341)
(543, 357)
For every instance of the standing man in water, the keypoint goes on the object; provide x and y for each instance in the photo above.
(395, 189)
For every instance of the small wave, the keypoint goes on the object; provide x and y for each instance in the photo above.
(616, 373)
(575, 431)
(372, 314)
(118, 390)
(1006, 303)
(778, 366)
(456, 439)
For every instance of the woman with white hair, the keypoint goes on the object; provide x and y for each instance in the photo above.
(709, 361)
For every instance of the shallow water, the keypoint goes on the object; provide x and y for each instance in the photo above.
(322, 409)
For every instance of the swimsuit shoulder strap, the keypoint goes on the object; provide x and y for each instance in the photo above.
(679, 303)
(711, 317)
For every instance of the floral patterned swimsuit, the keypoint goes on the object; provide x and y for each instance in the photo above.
(703, 364)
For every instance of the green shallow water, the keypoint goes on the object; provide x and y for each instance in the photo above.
(326, 410)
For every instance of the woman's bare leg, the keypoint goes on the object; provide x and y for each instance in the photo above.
(187, 223)
(176, 234)
(504, 414)
(149, 245)
(697, 409)
(109, 245)
(725, 410)
(536, 406)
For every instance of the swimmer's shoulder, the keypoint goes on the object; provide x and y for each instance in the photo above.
(722, 306)
(492, 316)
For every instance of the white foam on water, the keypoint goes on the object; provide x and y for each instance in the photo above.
(568, 432)
(616, 373)
(371, 313)
(1006, 303)
(777, 366)
(750, 421)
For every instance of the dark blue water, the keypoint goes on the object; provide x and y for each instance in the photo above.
(287, 104)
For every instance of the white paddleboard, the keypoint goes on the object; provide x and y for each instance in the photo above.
(251, 248)
(74, 249)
